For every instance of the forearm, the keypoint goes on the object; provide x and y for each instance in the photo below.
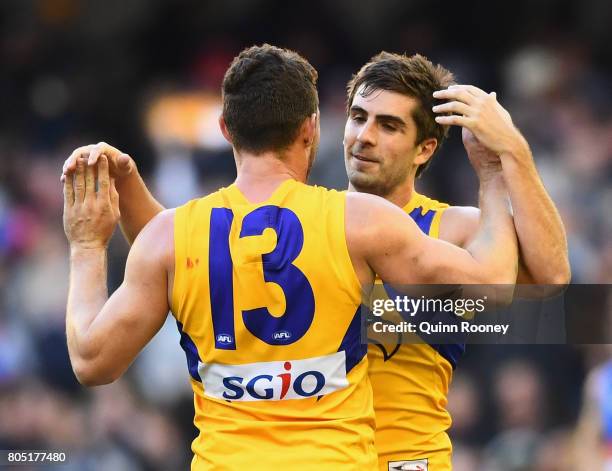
(137, 205)
(86, 297)
(540, 231)
(494, 245)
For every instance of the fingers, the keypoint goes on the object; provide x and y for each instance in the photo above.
(124, 162)
(120, 164)
(96, 151)
(90, 182)
(79, 181)
(453, 107)
(465, 93)
(70, 163)
(107, 193)
(103, 178)
(68, 193)
(454, 120)
(114, 198)
(477, 92)
(456, 94)
(102, 148)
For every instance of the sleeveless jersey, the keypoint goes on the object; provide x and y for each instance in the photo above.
(267, 305)
(410, 384)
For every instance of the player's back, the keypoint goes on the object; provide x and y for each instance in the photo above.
(267, 301)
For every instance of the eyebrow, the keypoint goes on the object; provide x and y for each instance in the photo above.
(387, 118)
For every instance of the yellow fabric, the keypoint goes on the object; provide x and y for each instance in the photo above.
(410, 389)
(333, 431)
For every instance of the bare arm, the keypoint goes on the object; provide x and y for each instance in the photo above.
(137, 204)
(493, 143)
(384, 240)
(538, 224)
(105, 335)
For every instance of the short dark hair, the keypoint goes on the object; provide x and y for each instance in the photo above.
(268, 92)
(414, 76)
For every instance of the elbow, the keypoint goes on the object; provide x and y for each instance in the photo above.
(563, 276)
(89, 374)
(556, 280)
(503, 276)
(501, 284)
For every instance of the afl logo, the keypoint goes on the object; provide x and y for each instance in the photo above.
(225, 339)
(281, 335)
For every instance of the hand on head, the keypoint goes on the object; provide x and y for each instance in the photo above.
(480, 113)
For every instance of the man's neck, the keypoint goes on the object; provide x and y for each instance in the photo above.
(259, 175)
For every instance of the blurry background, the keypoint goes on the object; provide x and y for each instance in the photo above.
(144, 75)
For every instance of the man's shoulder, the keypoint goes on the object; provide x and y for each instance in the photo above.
(157, 237)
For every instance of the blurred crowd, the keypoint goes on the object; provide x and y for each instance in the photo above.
(145, 76)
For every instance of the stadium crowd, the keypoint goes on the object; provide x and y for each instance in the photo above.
(145, 76)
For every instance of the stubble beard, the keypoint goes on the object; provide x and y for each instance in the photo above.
(379, 184)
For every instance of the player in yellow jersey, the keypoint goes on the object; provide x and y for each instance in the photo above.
(391, 134)
(264, 279)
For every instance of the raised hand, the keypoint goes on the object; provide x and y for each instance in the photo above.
(90, 216)
(119, 164)
(481, 113)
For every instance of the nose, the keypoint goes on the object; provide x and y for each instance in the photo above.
(367, 133)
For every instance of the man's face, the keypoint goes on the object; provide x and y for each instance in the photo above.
(379, 141)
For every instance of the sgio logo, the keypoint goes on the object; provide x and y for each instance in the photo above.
(306, 384)
(276, 380)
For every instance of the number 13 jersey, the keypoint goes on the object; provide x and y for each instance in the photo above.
(267, 304)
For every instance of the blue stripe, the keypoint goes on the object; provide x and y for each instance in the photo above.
(351, 343)
(221, 279)
(191, 352)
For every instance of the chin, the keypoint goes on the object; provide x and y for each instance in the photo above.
(364, 183)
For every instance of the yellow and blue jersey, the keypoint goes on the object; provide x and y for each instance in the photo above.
(410, 382)
(267, 304)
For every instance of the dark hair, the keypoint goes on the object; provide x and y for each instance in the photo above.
(268, 92)
(414, 76)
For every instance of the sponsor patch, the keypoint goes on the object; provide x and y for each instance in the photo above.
(275, 380)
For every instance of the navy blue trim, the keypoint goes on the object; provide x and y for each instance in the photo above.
(351, 343)
(191, 352)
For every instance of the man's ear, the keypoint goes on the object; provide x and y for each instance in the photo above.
(425, 150)
(224, 130)
(309, 129)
